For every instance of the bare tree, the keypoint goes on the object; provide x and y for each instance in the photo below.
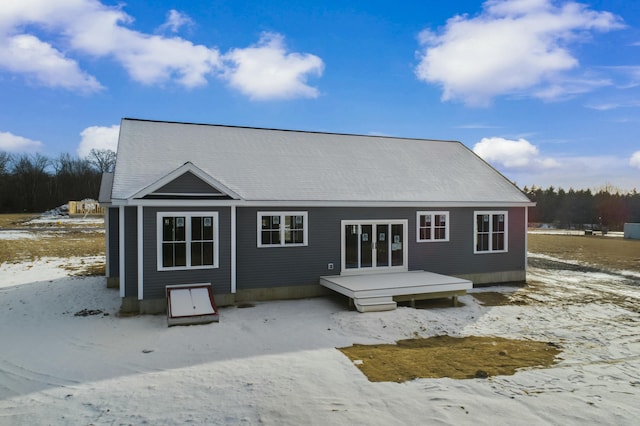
(5, 160)
(32, 181)
(102, 159)
(74, 178)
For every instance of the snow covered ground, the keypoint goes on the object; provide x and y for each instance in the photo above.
(276, 363)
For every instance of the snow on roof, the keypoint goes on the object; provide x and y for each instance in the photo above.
(284, 165)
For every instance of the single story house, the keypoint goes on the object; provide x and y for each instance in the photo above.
(263, 213)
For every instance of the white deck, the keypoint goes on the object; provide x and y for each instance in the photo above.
(376, 292)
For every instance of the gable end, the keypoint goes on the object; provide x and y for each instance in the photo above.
(187, 185)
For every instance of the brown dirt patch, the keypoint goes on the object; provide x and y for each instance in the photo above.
(608, 253)
(441, 302)
(453, 357)
(492, 298)
(87, 270)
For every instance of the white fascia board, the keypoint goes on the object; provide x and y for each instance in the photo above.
(304, 203)
(186, 167)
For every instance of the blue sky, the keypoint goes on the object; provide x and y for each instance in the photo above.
(548, 92)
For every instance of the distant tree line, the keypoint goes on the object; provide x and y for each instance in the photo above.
(35, 183)
(608, 208)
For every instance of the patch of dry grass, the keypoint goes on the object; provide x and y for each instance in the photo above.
(608, 253)
(453, 357)
(53, 244)
(14, 220)
(473, 356)
(87, 269)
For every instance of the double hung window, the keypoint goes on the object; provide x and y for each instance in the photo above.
(432, 226)
(187, 240)
(490, 229)
(277, 229)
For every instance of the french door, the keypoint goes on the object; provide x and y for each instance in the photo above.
(374, 246)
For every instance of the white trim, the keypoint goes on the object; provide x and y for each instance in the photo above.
(282, 228)
(121, 253)
(233, 250)
(186, 167)
(308, 203)
(433, 213)
(140, 253)
(374, 269)
(475, 231)
(187, 215)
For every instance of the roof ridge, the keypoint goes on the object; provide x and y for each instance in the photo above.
(290, 130)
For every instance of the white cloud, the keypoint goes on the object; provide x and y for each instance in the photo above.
(267, 71)
(512, 154)
(615, 105)
(511, 47)
(588, 172)
(634, 161)
(44, 64)
(87, 27)
(76, 29)
(175, 21)
(13, 143)
(98, 137)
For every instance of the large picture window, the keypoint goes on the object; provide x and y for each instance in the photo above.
(187, 240)
(432, 226)
(490, 230)
(277, 229)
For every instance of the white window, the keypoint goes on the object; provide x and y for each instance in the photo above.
(432, 226)
(187, 240)
(278, 229)
(490, 229)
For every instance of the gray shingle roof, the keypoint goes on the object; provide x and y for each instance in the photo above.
(284, 165)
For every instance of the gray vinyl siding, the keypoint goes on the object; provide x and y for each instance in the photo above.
(456, 257)
(188, 183)
(303, 265)
(114, 240)
(286, 266)
(131, 251)
(290, 266)
(155, 281)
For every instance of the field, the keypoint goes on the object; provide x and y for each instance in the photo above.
(26, 237)
(606, 253)
(561, 349)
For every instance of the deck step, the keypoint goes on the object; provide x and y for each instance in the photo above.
(374, 304)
